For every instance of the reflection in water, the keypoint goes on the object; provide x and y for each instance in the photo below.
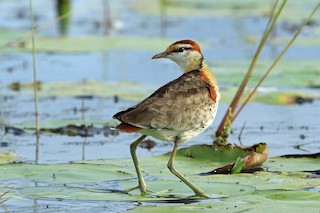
(37, 148)
(273, 35)
(63, 7)
(107, 17)
(2, 202)
(35, 201)
(163, 19)
(83, 110)
(84, 148)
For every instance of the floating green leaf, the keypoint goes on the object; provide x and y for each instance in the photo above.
(105, 180)
(238, 166)
(288, 73)
(124, 90)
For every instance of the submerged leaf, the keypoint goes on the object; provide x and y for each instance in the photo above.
(91, 44)
(8, 157)
(314, 155)
(16, 86)
(81, 130)
(124, 90)
(134, 91)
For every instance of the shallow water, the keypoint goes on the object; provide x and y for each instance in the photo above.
(290, 128)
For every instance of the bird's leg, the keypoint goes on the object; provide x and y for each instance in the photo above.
(142, 183)
(199, 192)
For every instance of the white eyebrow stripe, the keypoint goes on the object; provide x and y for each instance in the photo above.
(184, 45)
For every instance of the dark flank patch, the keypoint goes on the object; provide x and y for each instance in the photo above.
(124, 127)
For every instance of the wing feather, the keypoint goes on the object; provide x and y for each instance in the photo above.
(176, 105)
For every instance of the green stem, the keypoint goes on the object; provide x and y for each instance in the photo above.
(233, 105)
(25, 36)
(35, 93)
(276, 61)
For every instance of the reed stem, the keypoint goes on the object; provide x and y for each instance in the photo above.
(35, 92)
(235, 101)
(275, 62)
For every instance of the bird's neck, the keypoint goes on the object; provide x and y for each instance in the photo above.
(207, 72)
(195, 63)
(207, 76)
(201, 65)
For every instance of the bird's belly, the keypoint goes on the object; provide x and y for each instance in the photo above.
(189, 134)
(162, 134)
(184, 132)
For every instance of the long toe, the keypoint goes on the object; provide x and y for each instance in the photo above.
(131, 189)
(200, 195)
(144, 191)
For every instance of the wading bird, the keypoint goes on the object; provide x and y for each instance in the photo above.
(177, 111)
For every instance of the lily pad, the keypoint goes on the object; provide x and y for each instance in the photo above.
(295, 196)
(288, 73)
(6, 38)
(136, 92)
(294, 10)
(309, 41)
(82, 193)
(124, 90)
(105, 180)
(250, 204)
(62, 173)
(85, 44)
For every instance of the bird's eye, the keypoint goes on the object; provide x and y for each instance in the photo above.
(181, 49)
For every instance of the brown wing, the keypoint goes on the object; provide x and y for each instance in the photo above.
(176, 105)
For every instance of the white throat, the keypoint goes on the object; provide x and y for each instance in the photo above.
(189, 61)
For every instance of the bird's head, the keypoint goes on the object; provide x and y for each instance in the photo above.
(186, 53)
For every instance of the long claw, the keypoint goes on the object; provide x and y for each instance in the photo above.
(202, 195)
(131, 189)
(143, 192)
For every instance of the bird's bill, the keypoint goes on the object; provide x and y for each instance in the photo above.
(160, 55)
